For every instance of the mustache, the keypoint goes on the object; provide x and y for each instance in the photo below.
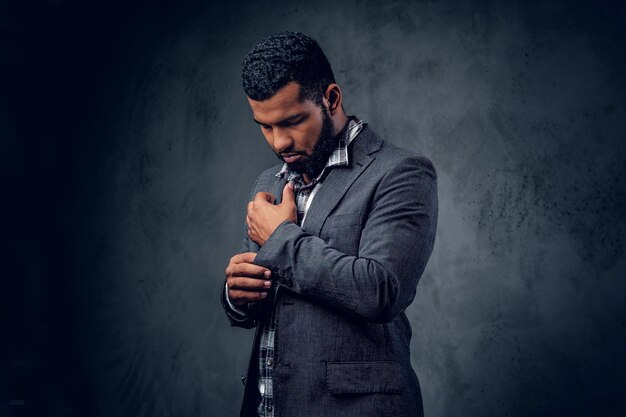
(292, 153)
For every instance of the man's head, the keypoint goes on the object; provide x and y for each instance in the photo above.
(282, 58)
(292, 92)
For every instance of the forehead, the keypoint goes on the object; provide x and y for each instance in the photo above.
(284, 103)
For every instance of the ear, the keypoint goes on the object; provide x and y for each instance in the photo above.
(333, 98)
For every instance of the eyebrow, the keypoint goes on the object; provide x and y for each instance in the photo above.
(284, 121)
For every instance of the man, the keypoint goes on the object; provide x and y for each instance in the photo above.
(336, 238)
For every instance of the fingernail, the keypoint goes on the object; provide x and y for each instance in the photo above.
(268, 274)
(263, 294)
(268, 283)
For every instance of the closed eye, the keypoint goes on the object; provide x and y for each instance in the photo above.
(291, 122)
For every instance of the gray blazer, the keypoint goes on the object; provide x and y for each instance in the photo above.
(342, 283)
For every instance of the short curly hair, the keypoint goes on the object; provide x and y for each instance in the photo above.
(282, 58)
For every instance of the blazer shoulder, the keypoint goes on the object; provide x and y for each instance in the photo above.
(373, 143)
(391, 155)
(266, 179)
(271, 171)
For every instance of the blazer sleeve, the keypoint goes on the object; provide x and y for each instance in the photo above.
(396, 242)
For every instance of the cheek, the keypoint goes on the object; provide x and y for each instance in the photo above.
(303, 143)
(309, 139)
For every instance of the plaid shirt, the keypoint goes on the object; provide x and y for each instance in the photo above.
(304, 195)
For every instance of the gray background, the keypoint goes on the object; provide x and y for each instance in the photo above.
(129, 150)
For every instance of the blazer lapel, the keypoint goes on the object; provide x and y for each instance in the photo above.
(339, 179)
(278, 190)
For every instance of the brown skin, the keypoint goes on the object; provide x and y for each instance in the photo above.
(289, 126)
(264, 216)
(247, 282)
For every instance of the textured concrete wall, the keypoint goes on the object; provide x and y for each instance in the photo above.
(520, 106)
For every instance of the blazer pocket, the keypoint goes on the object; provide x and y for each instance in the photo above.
(364, 377)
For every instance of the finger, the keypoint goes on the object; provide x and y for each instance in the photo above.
(264, 196)
(250, 230)
(245, 269)
(248, 284)
(243, 257)
(288, 193)
(248, 296)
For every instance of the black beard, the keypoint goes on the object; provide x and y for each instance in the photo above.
(326, 143)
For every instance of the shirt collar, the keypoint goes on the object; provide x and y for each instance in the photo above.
(339, 155)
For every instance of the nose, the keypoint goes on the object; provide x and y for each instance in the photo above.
(282, 141)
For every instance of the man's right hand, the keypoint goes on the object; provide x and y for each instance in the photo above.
(246, 281)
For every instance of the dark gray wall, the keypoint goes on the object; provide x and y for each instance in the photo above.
(131, 152)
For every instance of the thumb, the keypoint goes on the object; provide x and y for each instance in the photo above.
(288, 193)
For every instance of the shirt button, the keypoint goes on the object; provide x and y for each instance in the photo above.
(269, 362)
(269, 407)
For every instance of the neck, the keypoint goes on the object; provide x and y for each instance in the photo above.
(339, 121)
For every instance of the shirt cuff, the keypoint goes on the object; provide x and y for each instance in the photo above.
(235, 309)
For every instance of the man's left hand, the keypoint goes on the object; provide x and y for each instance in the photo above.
(264, 216)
